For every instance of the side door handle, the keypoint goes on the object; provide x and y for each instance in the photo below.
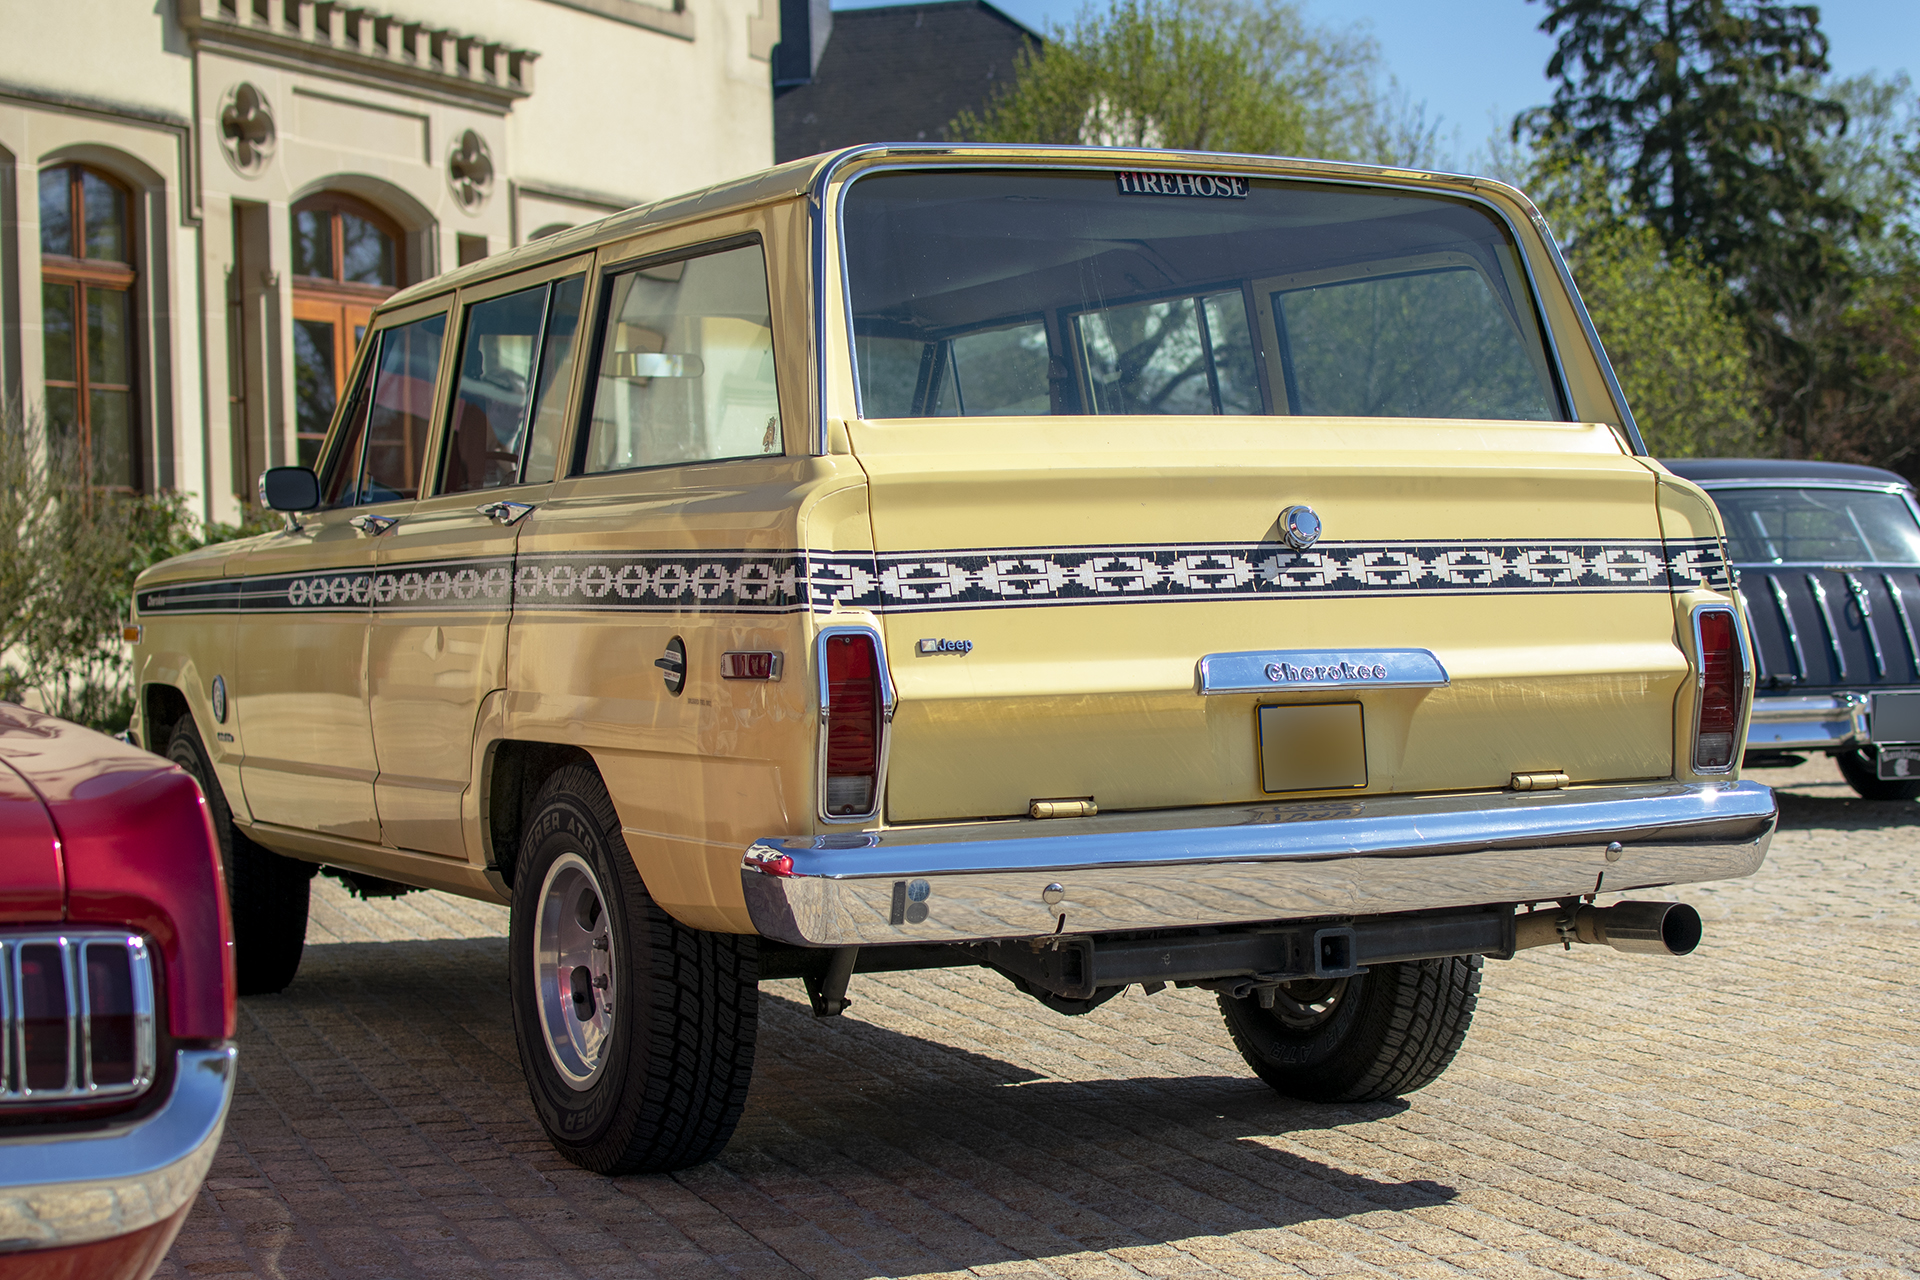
(504, 512)
(374, 526)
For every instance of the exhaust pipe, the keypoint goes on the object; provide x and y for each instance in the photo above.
(1638, 928)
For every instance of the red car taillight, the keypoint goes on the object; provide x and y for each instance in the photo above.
(1722, 688)
(853, 713)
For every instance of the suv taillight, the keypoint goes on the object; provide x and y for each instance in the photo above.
(852, 708)
(1722, 687)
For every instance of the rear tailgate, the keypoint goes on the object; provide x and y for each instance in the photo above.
(1083, 567)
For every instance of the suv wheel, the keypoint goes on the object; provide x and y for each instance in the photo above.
(636, 1032)
(266, 893)
(1388, 1031)
(1861, 768)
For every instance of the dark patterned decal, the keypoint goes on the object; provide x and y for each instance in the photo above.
(772, 582)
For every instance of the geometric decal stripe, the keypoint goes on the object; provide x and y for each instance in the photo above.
(773, 582)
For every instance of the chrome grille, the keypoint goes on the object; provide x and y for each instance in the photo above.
(77, 1009)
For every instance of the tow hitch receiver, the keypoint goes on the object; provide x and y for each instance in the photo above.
(1241, 960)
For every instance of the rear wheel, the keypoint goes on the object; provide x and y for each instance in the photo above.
(636, 1032)
(1379, 1034)
(266, 893)
(1861, 768)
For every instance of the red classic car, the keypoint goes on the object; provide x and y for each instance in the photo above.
(116, 1001)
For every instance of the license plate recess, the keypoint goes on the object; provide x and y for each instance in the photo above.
(1317, 747)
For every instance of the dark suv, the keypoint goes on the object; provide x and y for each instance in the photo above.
(1827, 560)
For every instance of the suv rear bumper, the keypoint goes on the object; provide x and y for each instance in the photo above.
(1239, 865)
(73, 1188)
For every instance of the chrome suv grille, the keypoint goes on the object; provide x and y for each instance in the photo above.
(77, 1008)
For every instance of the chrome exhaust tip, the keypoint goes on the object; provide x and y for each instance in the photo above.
(1637, 928)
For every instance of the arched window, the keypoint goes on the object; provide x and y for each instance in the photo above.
(346, 258)
(86, 301)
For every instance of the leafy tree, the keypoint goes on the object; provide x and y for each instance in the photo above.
(1664, 317)
(1711, 114)
(1203, 75)
(69, 552)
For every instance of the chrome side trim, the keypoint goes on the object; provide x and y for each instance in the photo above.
(1244, 864)
(93, 1186)
(1906, 620)
(1793, 630)
(1860, 598)
(1819, 590)
(888, 701)
(1288, 670)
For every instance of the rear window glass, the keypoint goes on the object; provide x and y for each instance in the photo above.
(1818, 526)
(1019, 293)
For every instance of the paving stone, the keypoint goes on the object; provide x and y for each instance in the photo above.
(1751, 1111)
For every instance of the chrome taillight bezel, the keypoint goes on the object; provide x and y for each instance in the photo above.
(80, 1086)
(885, 731)
(1743, 686)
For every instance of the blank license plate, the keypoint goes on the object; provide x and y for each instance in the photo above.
(1316, 748)
(1896, 717)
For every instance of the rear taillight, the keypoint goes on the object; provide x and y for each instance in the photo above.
(1722, 682)
(853, 710)
(77, 1011)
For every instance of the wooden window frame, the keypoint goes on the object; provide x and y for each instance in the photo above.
(339, 303)
(80, 274)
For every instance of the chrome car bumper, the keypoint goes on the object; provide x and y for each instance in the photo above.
(1808, 722)
(71, 1189)
(1247, 864)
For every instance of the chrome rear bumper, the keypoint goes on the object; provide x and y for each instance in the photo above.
(1293, 861)
(1807, 722)
(71, 1189)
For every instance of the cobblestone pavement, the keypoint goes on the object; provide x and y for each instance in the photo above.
(1749, 1111)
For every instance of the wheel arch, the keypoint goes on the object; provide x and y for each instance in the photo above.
(515, 771)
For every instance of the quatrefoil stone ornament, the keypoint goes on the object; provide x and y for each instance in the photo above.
(470, 170)
(247, 133)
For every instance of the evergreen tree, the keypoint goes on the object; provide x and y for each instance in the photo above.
(1711, 114)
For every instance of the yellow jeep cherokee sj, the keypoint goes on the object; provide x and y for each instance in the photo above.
(1105, 567)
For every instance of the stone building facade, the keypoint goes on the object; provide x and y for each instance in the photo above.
(201, 200)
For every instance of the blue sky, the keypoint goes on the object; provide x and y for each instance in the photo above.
(1469, 58)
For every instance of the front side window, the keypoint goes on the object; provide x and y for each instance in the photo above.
(510, 392)
(685, 365)
(1026, 293)
(1818, 526)
(383, 434)
(86, 299)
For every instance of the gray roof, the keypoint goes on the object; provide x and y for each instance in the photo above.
(899, 73)
(1707, 470)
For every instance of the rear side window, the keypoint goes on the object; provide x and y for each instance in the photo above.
(685, 365)
(385, 428)
(510, 393)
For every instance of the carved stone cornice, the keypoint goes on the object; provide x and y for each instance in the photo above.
(366, 44)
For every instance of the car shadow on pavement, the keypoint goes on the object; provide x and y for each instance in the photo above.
(1072, 1157)
(1835, 813)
